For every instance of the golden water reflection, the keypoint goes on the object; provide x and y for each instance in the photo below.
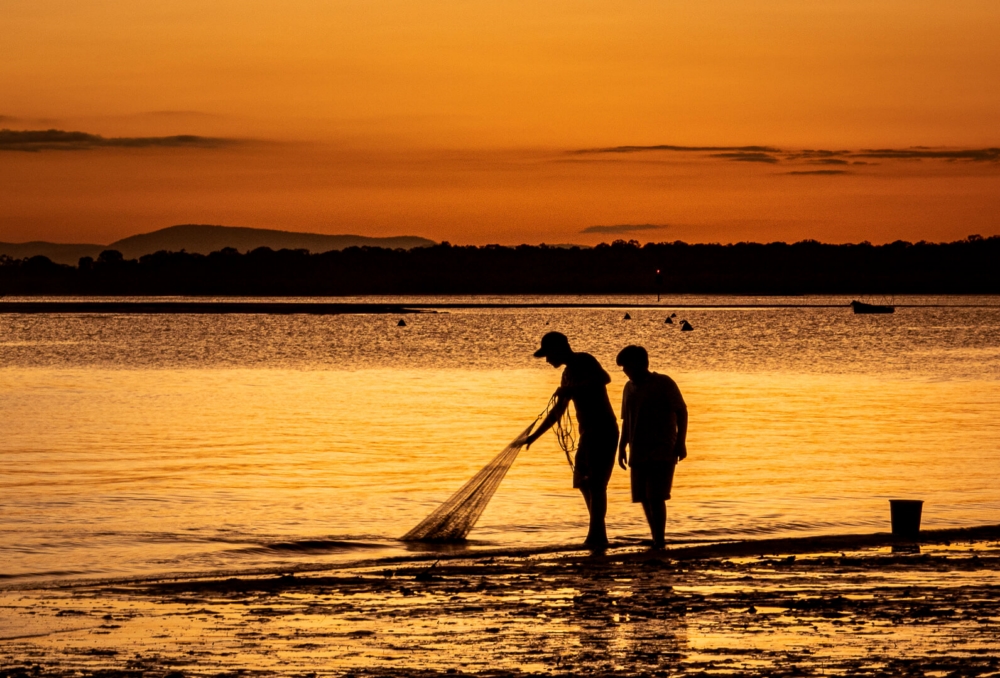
(137, 444)
(123, 471)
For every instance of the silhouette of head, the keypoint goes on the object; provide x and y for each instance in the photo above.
(555, 349)
(634, 361)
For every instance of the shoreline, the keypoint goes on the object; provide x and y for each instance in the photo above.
(677, 550)
(865, 604)
(680, 550)
(335, 308)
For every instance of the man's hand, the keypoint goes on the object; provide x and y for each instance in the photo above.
(622, 459)
(681, 451)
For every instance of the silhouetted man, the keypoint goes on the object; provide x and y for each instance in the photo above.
(654, 427)
(584, 382)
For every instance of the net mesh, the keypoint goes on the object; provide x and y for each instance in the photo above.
(565, 433)
(454, 519)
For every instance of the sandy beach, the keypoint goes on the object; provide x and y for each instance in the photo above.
(861, 605)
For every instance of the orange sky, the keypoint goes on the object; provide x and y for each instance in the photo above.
(455, 120)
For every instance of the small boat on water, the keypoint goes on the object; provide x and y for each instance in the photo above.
(862, 308)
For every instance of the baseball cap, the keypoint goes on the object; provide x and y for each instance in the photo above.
(551, 343)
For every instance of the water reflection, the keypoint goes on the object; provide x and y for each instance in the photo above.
(129, 448)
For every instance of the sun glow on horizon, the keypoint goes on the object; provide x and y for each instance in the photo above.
(457, 120)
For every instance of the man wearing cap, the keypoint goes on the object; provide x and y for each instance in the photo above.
(584, 382)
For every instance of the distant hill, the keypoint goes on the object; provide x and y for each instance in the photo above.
(206, 239)
(203, 239)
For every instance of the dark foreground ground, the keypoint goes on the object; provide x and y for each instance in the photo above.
(849, 605)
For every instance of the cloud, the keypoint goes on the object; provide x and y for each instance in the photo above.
(624, 228)
(914, 153)
(772, 155)
(746, 157)
(54, 139)
(663, 147)
(921, 152)
(820, 155)
(820, 172)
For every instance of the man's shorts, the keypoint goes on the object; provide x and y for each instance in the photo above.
(595, 460)
(652, 480)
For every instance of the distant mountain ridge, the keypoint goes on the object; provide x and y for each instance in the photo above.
(204, 239)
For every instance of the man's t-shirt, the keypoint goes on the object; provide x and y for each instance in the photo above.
(585, 382)
(649, 418)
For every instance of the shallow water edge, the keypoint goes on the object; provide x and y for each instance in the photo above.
(866, 605)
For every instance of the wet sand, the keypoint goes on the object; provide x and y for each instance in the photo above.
(860, 605)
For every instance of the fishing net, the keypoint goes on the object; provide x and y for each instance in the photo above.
(454, 519)
(565, 433)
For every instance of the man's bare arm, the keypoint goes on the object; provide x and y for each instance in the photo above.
(682, 430)
(623, 439)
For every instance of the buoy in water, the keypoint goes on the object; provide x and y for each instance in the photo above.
(668, 321)
(627, 317)
(401, 323)
(686, 326)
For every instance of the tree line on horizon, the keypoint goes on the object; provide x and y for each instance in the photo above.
(968, 266)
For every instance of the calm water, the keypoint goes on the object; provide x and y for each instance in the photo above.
(138, 444)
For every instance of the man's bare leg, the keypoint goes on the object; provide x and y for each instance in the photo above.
(656, 516)
(597, 504)
(649, 520)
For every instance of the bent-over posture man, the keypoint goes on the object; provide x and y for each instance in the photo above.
(584, 382)
(654, 427)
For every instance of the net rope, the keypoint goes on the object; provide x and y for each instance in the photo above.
(565, 433)
(454, 519)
